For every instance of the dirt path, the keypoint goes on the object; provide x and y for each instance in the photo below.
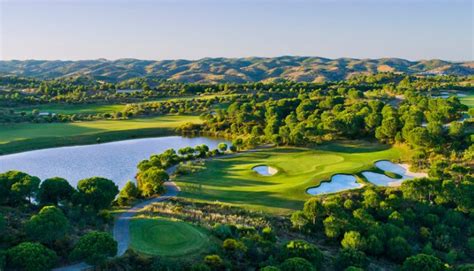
(121, 230)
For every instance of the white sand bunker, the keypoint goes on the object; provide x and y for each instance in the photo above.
(400, 169)
(265, 170)
(339, 182)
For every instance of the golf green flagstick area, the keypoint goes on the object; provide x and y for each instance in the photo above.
(232, 180)
(165, 237)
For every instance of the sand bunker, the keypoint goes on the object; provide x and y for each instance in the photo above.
(339, 182)
(265, 170)
(400, 169)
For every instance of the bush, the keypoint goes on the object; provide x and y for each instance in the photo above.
(94, 248)
(398, 249)
(351, 257)
(49, 225)
(353, 239)
(31, 257)
(214, 261)
(296, 264)
(303, 249)
(270, 268)
(423, 262)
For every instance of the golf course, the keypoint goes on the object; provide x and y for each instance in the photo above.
(94, 108)
(28, 136)
(166, 237)
(284, 192)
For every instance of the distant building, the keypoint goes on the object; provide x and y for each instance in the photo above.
(128, 90)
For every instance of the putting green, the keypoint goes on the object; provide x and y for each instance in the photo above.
(164, 237)
(232, 179)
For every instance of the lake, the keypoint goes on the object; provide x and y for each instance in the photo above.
(115, 160)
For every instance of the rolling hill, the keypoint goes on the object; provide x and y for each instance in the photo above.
(237, 70)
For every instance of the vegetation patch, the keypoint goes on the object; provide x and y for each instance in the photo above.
(29, 136)
(165, 237)
(229, 180)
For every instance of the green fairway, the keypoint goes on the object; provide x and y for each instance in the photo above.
(27, 136)
(468, 99)
(232, 179)
(96, 108)
(164, 237)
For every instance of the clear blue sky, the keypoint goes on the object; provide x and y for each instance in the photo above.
(192, 29)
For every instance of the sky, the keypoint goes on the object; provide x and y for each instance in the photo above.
(194, 29)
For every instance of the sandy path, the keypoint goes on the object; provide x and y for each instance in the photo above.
(121, 229)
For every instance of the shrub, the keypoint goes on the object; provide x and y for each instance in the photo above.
(94, 248)
(351, 257)
(423, 262)
(31, 257)
(49, 225)
(296, 264)
(353, 239)
(303, 249)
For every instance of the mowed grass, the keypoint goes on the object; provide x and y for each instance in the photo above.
(97, 108)
(233, 181)
(27, 136)
(164, 237)
(468, 99)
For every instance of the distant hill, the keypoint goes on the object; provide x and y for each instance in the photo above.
(237, 70)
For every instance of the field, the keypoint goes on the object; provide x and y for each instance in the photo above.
(168, 238)
(27, 136)
(95, 108)
(232, 179)
(468, 99)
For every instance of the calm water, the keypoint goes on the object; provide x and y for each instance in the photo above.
(115, 160)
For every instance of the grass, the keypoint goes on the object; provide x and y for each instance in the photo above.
(169, 238)
(232, 179)
(96, 108)
(28, 136)
(468, 99)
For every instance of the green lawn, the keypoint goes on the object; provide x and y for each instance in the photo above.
(469, 99)
(27, 136)
(95, 108)
(232, 179)
(164, 237)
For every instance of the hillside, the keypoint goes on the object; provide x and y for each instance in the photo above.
(237, 70)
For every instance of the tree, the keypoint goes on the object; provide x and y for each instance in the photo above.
(94, 248)
(234, 248)
(222, 147)
(49, 225)
(419, 137)
(351, 257)
(296, 264)
(31, 257)
(423, 262)
(299, 219)
(16, 186)
(128, 193)
(353, 239)
(374, 245)
(54, 190)
(313, 210)
(97, 192)
(150, 181)
(398, 249)
(214, 261)
(303, 249)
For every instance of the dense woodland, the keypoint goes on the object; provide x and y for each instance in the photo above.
(426, 224)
